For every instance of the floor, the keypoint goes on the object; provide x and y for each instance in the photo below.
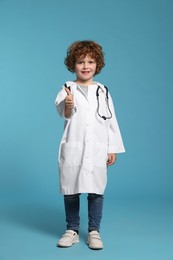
(131, 230)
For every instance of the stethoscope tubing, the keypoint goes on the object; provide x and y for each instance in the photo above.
(107, 103)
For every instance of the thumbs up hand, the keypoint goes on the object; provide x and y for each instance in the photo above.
(69, 100)
(69, 103)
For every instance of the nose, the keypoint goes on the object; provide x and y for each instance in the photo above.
(85, 65)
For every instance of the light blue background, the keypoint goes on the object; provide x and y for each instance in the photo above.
(137, 37)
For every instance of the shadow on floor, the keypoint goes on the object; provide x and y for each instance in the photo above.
(47, 219)
(39, 218)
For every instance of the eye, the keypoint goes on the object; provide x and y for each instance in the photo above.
(80, 62)
(91, 61)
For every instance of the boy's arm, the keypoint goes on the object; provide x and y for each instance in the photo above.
(63, 103)
(115, 140)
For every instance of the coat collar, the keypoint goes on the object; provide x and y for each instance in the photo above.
(74, 85)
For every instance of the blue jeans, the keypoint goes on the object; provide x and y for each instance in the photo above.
(72, 207)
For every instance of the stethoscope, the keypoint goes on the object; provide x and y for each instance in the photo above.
(98, 102)
(107, 103)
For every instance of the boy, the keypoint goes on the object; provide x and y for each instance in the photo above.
(90, 141)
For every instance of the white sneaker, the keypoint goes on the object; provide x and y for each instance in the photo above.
(94, 240)
(68, 239)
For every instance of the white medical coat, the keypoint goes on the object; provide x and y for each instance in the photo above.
(86, 141)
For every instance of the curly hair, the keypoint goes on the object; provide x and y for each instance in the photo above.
(80, 49)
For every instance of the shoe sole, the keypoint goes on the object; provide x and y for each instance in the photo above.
(65, 246)
(94, 248)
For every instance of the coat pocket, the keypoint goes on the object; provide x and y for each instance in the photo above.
(70, 154)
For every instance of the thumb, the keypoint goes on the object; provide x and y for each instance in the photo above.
(68, 91)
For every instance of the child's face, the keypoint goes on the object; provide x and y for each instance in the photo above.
(85, 69)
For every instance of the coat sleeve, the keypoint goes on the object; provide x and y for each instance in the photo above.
(60, 103)
(115, 140)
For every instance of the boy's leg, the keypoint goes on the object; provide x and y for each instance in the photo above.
(72, 205)
(95, 206)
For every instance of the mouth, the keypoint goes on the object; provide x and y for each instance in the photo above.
(85, 72)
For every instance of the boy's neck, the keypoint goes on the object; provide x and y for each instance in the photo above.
(84, 83)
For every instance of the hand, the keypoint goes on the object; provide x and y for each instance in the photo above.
(111, 158)
(69, 100)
